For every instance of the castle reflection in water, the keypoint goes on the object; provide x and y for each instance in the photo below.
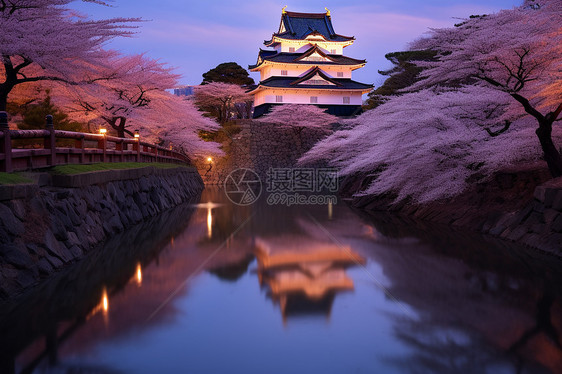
(304, 275)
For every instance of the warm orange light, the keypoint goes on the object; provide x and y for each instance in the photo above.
(105, 302)
(209, 223)
(103, 130)
(210, 159)
(139, 274)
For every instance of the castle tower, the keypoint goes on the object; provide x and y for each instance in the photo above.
(307, 66)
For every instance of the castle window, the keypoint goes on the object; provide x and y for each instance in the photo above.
(283, 72)
(313, 99)
(346, 99)
(340, 74)
(333, 51)
(278, 99)
(291, 49)
(317, 82)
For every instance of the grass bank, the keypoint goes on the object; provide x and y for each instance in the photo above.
(13, 178)
(72, 169)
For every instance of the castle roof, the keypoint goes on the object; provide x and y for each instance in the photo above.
(298, 26)
(297, 58)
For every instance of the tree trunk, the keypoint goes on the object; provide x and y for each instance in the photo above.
(551, 154)
(118, 124)
(121, 127)
(3, 98)
(544, 133)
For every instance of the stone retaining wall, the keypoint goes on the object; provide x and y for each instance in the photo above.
(44, 227)
(539, 224)
(260, 146)
(521, 204)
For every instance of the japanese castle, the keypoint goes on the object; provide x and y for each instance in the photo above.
(307, 66)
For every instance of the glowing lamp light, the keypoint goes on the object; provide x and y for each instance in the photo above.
(209, 223)
(103, 130)
(105, 301)
(170, 147)
(210, 159)
(137, 135)
(139, 274)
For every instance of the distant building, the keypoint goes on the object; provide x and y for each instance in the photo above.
(183, 91)
(307, 66)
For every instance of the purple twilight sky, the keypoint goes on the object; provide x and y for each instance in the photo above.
(195, 36)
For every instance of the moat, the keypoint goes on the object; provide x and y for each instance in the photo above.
(213, 287)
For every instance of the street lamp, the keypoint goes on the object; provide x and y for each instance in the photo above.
(103, 130)
(137, 135)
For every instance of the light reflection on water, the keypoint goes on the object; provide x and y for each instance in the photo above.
(295, 290)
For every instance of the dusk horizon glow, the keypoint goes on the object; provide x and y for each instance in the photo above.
(195, 37)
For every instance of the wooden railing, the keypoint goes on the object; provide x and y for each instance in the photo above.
(107, 149)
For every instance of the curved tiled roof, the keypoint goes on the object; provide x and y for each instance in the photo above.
(292, 82)
(299, 25)
(296, 58)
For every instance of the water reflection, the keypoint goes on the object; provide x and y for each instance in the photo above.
(209, 223)
(139, 274)
(304, 275)
(483, 306)
(202, 289)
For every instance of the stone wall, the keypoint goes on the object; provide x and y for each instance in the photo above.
(539, 224)
(260, 146)
(44, 227)
(520, 204)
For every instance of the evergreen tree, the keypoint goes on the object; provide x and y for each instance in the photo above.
(34, 117)
(228, 72)
(404, 74)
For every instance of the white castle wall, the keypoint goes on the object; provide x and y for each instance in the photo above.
(300, 96)
(303, 45)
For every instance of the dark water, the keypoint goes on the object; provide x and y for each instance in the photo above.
(218, 288)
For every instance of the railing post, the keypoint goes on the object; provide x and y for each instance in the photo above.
(6, 143)
(136, 147)
(49, 142)
(79, 143)
(119, 148)
(103, 147)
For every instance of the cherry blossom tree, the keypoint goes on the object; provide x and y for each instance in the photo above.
(298, 117)
(474, 113)
(517, 51)
(131, 94)
(123, 88)
(220, 99)
(431, 144)
(43, 40)
(176, 121)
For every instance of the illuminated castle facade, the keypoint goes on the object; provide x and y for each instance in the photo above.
(307, 66)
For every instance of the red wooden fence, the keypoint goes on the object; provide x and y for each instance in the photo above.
(108, 149)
